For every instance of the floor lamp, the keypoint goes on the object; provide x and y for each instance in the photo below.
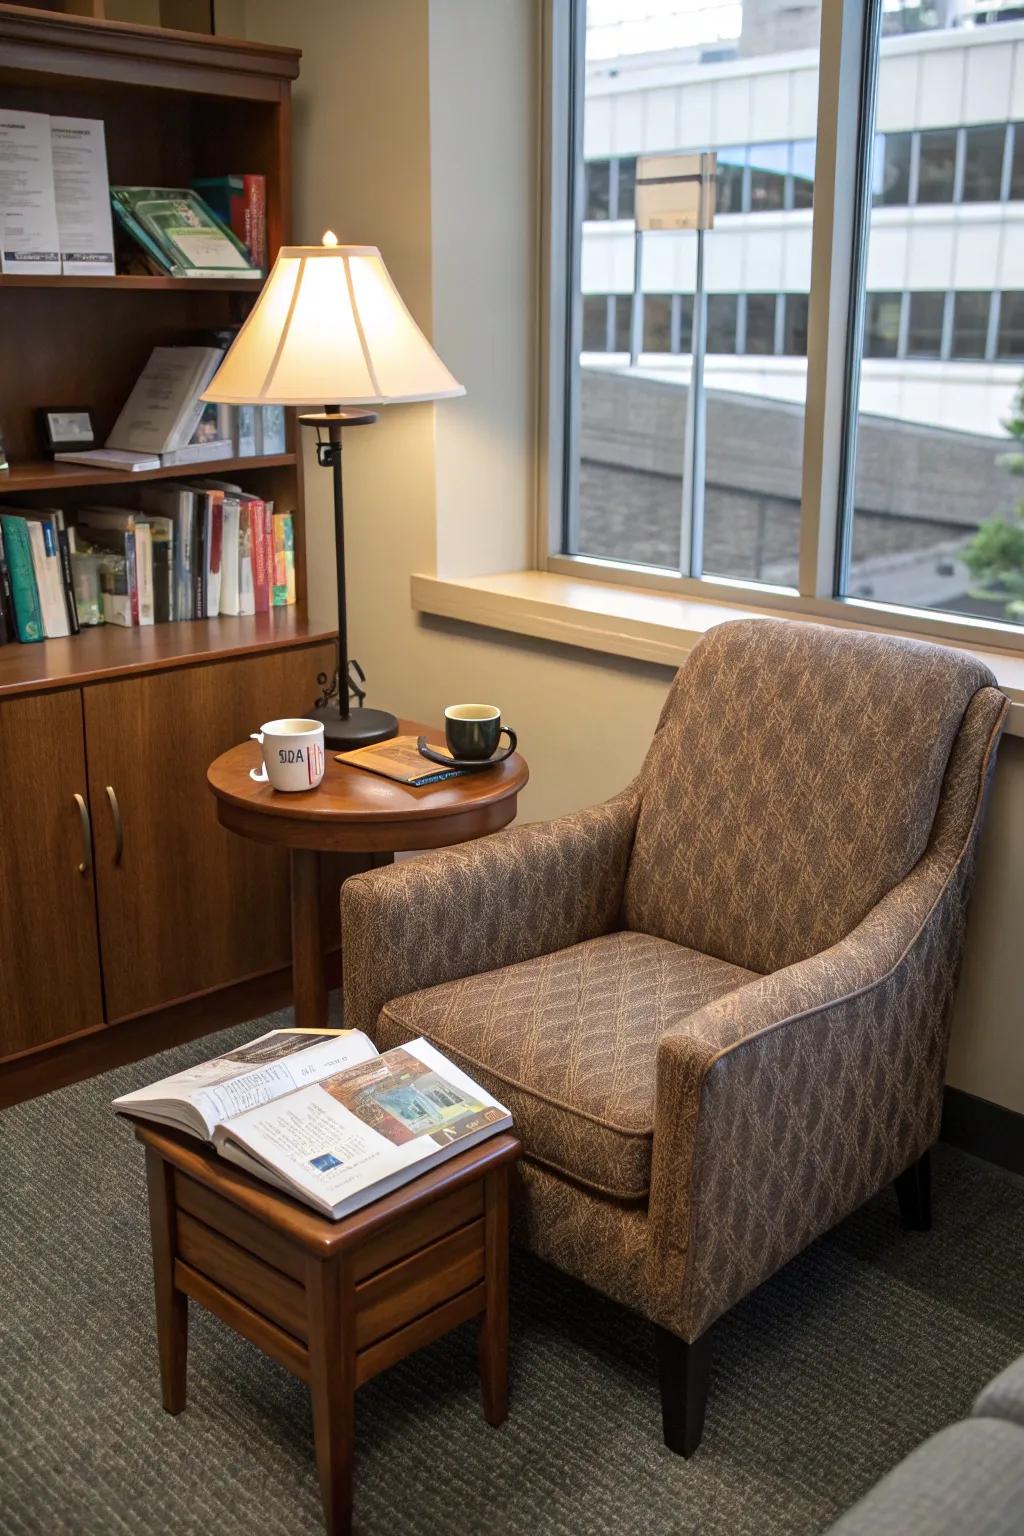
(330, 329)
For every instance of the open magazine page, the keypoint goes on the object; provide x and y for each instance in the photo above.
(352, 1137)
(252, 1074)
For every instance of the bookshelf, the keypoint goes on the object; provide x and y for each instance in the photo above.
(108, 834)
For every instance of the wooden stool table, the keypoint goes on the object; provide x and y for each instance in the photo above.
(364, 819)
(333, 1301)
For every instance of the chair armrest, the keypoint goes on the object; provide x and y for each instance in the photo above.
(482, 905)
(786, 1104)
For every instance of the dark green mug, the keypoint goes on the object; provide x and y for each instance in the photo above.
(473, 731)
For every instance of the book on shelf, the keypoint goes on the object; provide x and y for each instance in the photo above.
(7, 631)
(127, 533)
(28, 616)
(323, 1116)
(118, 459)
(164, 407)
(51, 563)
(284, 560)
(54, 196)
(400, 761)
(180, 232)
(240, 202)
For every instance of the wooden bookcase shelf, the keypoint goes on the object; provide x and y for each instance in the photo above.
(128, 283)
(123, 899)
(48, 475)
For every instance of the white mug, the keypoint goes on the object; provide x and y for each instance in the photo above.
(293, 754)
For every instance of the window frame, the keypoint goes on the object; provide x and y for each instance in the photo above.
(844, 149)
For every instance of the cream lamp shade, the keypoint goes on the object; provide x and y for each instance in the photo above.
(330, 327)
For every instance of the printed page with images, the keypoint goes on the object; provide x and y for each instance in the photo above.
(368, 1130)
(200, 1098)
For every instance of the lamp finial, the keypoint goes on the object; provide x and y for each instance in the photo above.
(330, 238)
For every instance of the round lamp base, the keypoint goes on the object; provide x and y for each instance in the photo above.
(362, 728)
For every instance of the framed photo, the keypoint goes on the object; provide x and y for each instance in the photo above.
(63, 428)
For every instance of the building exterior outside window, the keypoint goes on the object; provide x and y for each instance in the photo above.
(942, 333)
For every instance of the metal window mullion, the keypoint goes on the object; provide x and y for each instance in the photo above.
(675, 324)
(741, 324)
(838, 241)
(914, 178)
(992, 336)
(903, 326)
(566, 36)
(946, 341)
(1006, 175)
(779, 338)
(613, 187)
(959, 165)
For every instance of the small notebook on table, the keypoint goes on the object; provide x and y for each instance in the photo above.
(399, 759)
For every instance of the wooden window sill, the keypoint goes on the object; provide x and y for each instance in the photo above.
(629, 621)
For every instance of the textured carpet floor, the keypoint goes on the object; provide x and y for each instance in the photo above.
(822, 1379)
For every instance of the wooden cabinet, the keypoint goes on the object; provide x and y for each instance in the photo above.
(183, 905)
(49, 962)
(120, 893)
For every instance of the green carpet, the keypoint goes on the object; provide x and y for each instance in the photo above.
(821, 1381)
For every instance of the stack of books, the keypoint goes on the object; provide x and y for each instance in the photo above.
(176, 233)
(190, 550)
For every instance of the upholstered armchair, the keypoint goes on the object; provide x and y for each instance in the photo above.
(717, 1005)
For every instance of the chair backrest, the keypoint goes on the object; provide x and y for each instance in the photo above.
(792, 781)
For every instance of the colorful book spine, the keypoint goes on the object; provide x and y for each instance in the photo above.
(6, 604)
(261, 574)
(64, 549)
(284, 559)
(240, 202)
(28, 614)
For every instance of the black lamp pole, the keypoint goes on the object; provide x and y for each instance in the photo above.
(344, 728)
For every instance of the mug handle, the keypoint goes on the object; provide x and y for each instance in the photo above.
(513, 742)
(258, 775)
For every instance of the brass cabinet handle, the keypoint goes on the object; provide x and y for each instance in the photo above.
(83, 811)
(115, 811)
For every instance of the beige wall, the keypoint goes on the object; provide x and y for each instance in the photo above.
(416, 131)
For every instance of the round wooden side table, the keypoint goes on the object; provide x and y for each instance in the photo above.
(354, 821)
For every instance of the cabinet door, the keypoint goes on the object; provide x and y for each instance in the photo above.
(49, 964)
(185, 906)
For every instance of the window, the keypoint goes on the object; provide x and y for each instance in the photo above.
(722, 309)
(1010, 341)
(803, 173)
(595, 322)
(1017, 163)
(891, 184)
(729, 181)
(622, 319)
(657, 322)
(760, 327)
(983, 163)
(924, 327)
(882, 326)
(907, 456)
(598, 174)
(626, 187)
(768, 166)
(794, 329)
(929, 469)
(970, 325)
(936, 171)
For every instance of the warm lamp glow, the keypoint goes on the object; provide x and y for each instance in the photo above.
(329, 238)
(330, 328)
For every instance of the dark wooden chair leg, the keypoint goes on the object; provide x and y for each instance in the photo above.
(330, 1311)
(914, 1193)
(683, 1374)
(171, 1304)
(493, 1338)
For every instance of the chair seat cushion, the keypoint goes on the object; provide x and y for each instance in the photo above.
(568, 1043)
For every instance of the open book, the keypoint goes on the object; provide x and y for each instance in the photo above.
(323, 1116)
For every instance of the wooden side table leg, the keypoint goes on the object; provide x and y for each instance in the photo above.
(308, 981)
(493, 1340)
(171, 1304)
(331, 1318)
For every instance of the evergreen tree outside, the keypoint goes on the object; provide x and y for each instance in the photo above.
(995, 555)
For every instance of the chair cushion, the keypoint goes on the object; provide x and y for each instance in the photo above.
(568, 1043)
(792, 782)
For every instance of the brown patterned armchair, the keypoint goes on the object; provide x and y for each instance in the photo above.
(718, 1005)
